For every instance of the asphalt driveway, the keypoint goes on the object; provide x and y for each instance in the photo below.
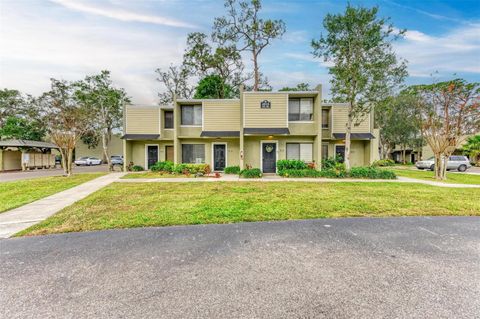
(344, 268)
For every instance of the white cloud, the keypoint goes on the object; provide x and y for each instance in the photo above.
(35, 46)
(456, 51)
(120, 14)
(308, 57)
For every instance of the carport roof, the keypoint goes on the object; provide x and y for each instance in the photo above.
(26, 143)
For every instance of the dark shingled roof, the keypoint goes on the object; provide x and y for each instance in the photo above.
(220, 134)
(267, 131)
(26, 143)
(140, 136)
(355, 136)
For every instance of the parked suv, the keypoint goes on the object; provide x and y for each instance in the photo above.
(455, 162)
(116, 159)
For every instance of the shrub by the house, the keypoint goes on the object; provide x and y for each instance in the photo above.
(371, 173)
(137, 168)
(384, 162)
(166, 167)
(291, 164)
(232, 170)
(251, 173)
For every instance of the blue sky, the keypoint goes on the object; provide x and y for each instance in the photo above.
(71, 38)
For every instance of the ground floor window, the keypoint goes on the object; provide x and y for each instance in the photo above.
(300, 151)
(324, 151)
(193, 153)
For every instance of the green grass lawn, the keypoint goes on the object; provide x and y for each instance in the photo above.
(455, 178)
(122, 205)
(17, 193)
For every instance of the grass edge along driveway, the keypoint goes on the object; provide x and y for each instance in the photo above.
(452, 178)
(14, 194)
(125, 205)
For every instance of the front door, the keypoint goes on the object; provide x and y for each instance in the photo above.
(340, 153)
(152, 155)
(169, 153)
(219, 157)
(269, 157)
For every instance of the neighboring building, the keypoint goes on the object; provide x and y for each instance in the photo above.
(23, 154)
(256, 130)
(115, 147)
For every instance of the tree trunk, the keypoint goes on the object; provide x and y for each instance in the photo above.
(69, 162)
(348, 141)
(404, 154)
(105, 149)
(255, 71)
(64, 155)
(437, 166)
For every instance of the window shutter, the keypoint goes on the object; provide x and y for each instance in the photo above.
(306, 152)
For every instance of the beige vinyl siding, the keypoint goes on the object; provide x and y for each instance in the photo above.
(142, 120)
(275, 117)
(221, 115)
(339, 121)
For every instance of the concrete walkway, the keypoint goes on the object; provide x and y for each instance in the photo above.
(275, 178)
(25, 216)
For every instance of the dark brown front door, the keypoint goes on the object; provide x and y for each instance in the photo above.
(219, 157)
(152, 155)
(269, 157)
(169, 153)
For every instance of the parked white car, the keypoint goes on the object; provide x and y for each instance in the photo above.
(455, 162)
(88, 161)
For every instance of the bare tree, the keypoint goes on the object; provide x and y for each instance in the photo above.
(243, 28)
(175, 80)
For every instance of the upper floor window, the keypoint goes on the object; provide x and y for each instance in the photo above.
(300, 109)
(168, 119)
(325, 118)
(191, 115)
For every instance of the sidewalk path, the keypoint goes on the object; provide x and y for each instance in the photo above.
(25, 216)
(234, 178)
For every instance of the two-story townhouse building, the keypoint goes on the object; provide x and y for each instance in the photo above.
(255, 130)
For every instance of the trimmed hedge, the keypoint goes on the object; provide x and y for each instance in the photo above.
(251, 173)
(291, 164)
(384, 162)
(232, 170)
(137, 168)
(299, 173)
(166, 166)
(192, 169)
(340, 172)
(371, 173)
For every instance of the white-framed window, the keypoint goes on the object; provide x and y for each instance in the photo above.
(325, 118)
(300, 109)
(300, 151)
(193, 153)
(168, 119)
(191, 115)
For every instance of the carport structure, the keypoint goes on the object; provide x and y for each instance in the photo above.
(24, 154)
